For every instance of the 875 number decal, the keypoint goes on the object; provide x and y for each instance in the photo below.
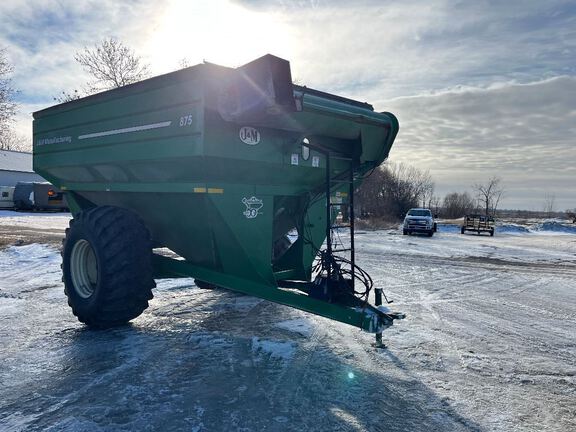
(186, 120)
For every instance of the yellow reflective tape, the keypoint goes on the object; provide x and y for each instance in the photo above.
(215, 190)
(199, 190)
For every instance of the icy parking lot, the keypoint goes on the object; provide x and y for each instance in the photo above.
(489, 344)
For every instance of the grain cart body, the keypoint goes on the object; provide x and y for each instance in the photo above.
(226, 167)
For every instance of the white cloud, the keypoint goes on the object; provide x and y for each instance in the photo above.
(522, 133)
(402, 48)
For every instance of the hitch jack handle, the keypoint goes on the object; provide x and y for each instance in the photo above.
(378, 302)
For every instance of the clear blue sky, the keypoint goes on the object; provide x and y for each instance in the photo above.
(481, 88)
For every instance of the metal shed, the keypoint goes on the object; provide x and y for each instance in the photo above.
(16, 167)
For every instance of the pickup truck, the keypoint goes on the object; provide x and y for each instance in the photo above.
(419, 220)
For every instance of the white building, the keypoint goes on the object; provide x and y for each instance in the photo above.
(16, 166)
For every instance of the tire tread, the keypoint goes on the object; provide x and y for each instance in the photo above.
(125, 255)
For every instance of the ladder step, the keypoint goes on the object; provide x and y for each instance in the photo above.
(342, 250)
(341, 226)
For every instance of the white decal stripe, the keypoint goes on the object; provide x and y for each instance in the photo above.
(126, 130)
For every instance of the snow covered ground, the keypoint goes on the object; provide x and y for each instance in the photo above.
(21, 227)
(489, 344)
(34, 220)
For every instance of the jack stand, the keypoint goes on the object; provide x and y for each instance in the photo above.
(378, 302)
(379, 343)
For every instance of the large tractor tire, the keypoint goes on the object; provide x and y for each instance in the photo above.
(107, 266)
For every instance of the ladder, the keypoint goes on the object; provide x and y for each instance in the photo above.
(331, 202)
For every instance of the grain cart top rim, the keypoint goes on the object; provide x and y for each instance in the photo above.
(83, 268)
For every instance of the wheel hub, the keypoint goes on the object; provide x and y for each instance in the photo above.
(83, 268)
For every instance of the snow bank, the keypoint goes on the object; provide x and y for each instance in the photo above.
(555, 226)
(549, 226)
(512, 229)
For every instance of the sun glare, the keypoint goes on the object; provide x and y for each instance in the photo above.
(217, 31)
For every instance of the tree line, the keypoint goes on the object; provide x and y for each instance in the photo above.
(391, 190)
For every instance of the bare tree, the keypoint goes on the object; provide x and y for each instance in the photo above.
(67, 96)
(549, 204)
(427, 189)
(393, 189)
(370, 196)
(403, 190)
(10, 140)
(111, 64)
(489, 195)
(7, 104)
(435, 204)
(410, 186)
(457, 204)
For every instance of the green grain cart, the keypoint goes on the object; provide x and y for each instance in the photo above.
(241, 173)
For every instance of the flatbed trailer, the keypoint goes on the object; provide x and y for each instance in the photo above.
(478, 223)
